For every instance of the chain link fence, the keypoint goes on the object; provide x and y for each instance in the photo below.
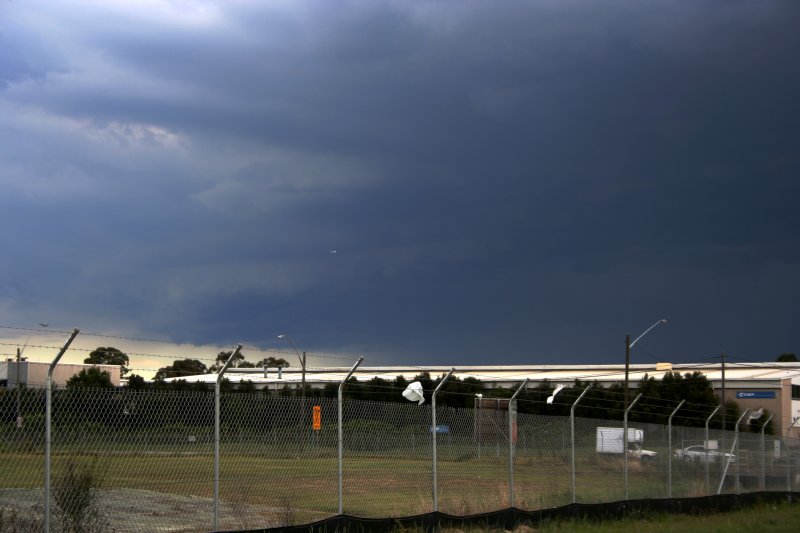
(124, 460)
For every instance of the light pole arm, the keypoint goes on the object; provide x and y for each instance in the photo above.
(294, 347)
(662, 321)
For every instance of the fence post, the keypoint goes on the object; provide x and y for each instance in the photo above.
(48, 422)
(708, 481)
(735, 446)
(433, 442)
(669, 450)
(512, 420)
(341, 434)
(736, 438)
(625, 441)
(572, 439)
(234, 353)
(764, 455)
(789, 456)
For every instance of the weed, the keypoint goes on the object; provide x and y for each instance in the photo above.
(78, 499)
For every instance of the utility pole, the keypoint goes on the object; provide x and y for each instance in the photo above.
(302, 359)
(627, 366)
(722, 357)
(628, 346)
(304, 375)
(724, 428)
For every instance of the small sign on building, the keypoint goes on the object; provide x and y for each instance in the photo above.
(761, 394)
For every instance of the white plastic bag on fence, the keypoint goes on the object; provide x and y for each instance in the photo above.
(553, 397)
(413, 393)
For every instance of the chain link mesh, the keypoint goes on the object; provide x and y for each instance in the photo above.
(22, 444)
(126, 461)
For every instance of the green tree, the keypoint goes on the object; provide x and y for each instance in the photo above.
(108, 356)
(660, 397)
(246, 386)
(136, 382)
(90, 378)
(225, 385)
(182, 367)
(273, 362)
(238, 361)
(732, 414)
(787, 358)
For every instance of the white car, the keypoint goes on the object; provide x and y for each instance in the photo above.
(634, 450)
(699, 454)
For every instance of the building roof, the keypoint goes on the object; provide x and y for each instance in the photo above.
(754, 374)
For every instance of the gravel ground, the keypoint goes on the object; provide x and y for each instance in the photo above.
(134, 511)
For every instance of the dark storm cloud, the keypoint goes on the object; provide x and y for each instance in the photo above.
(515, 182)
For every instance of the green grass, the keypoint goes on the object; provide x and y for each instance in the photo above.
(376, 484)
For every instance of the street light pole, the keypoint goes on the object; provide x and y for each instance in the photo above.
(627, 366)
(302, 359)
(628, 346)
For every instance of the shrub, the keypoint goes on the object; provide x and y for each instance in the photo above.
(77, 496)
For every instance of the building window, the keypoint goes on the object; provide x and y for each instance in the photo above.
(795, 392)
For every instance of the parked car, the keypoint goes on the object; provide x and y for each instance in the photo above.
(700, 454)
(636, 451)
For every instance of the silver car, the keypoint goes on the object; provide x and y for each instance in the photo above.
(700, 454)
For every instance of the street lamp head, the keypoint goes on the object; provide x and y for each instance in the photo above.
(663, 320)
(281, 336)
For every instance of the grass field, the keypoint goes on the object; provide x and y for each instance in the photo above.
(267, 488)
(270, 479)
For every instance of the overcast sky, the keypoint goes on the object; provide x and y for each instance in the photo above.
(502, 182)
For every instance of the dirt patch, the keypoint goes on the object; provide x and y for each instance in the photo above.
(131, 510)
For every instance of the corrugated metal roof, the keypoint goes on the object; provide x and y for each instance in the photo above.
(508, 374)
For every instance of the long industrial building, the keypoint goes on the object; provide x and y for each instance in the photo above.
(772, 386)
(34, 373)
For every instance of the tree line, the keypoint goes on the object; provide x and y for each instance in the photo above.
(108, 355)
(660, 397)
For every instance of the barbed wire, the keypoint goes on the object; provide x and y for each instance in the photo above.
(506, 377)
